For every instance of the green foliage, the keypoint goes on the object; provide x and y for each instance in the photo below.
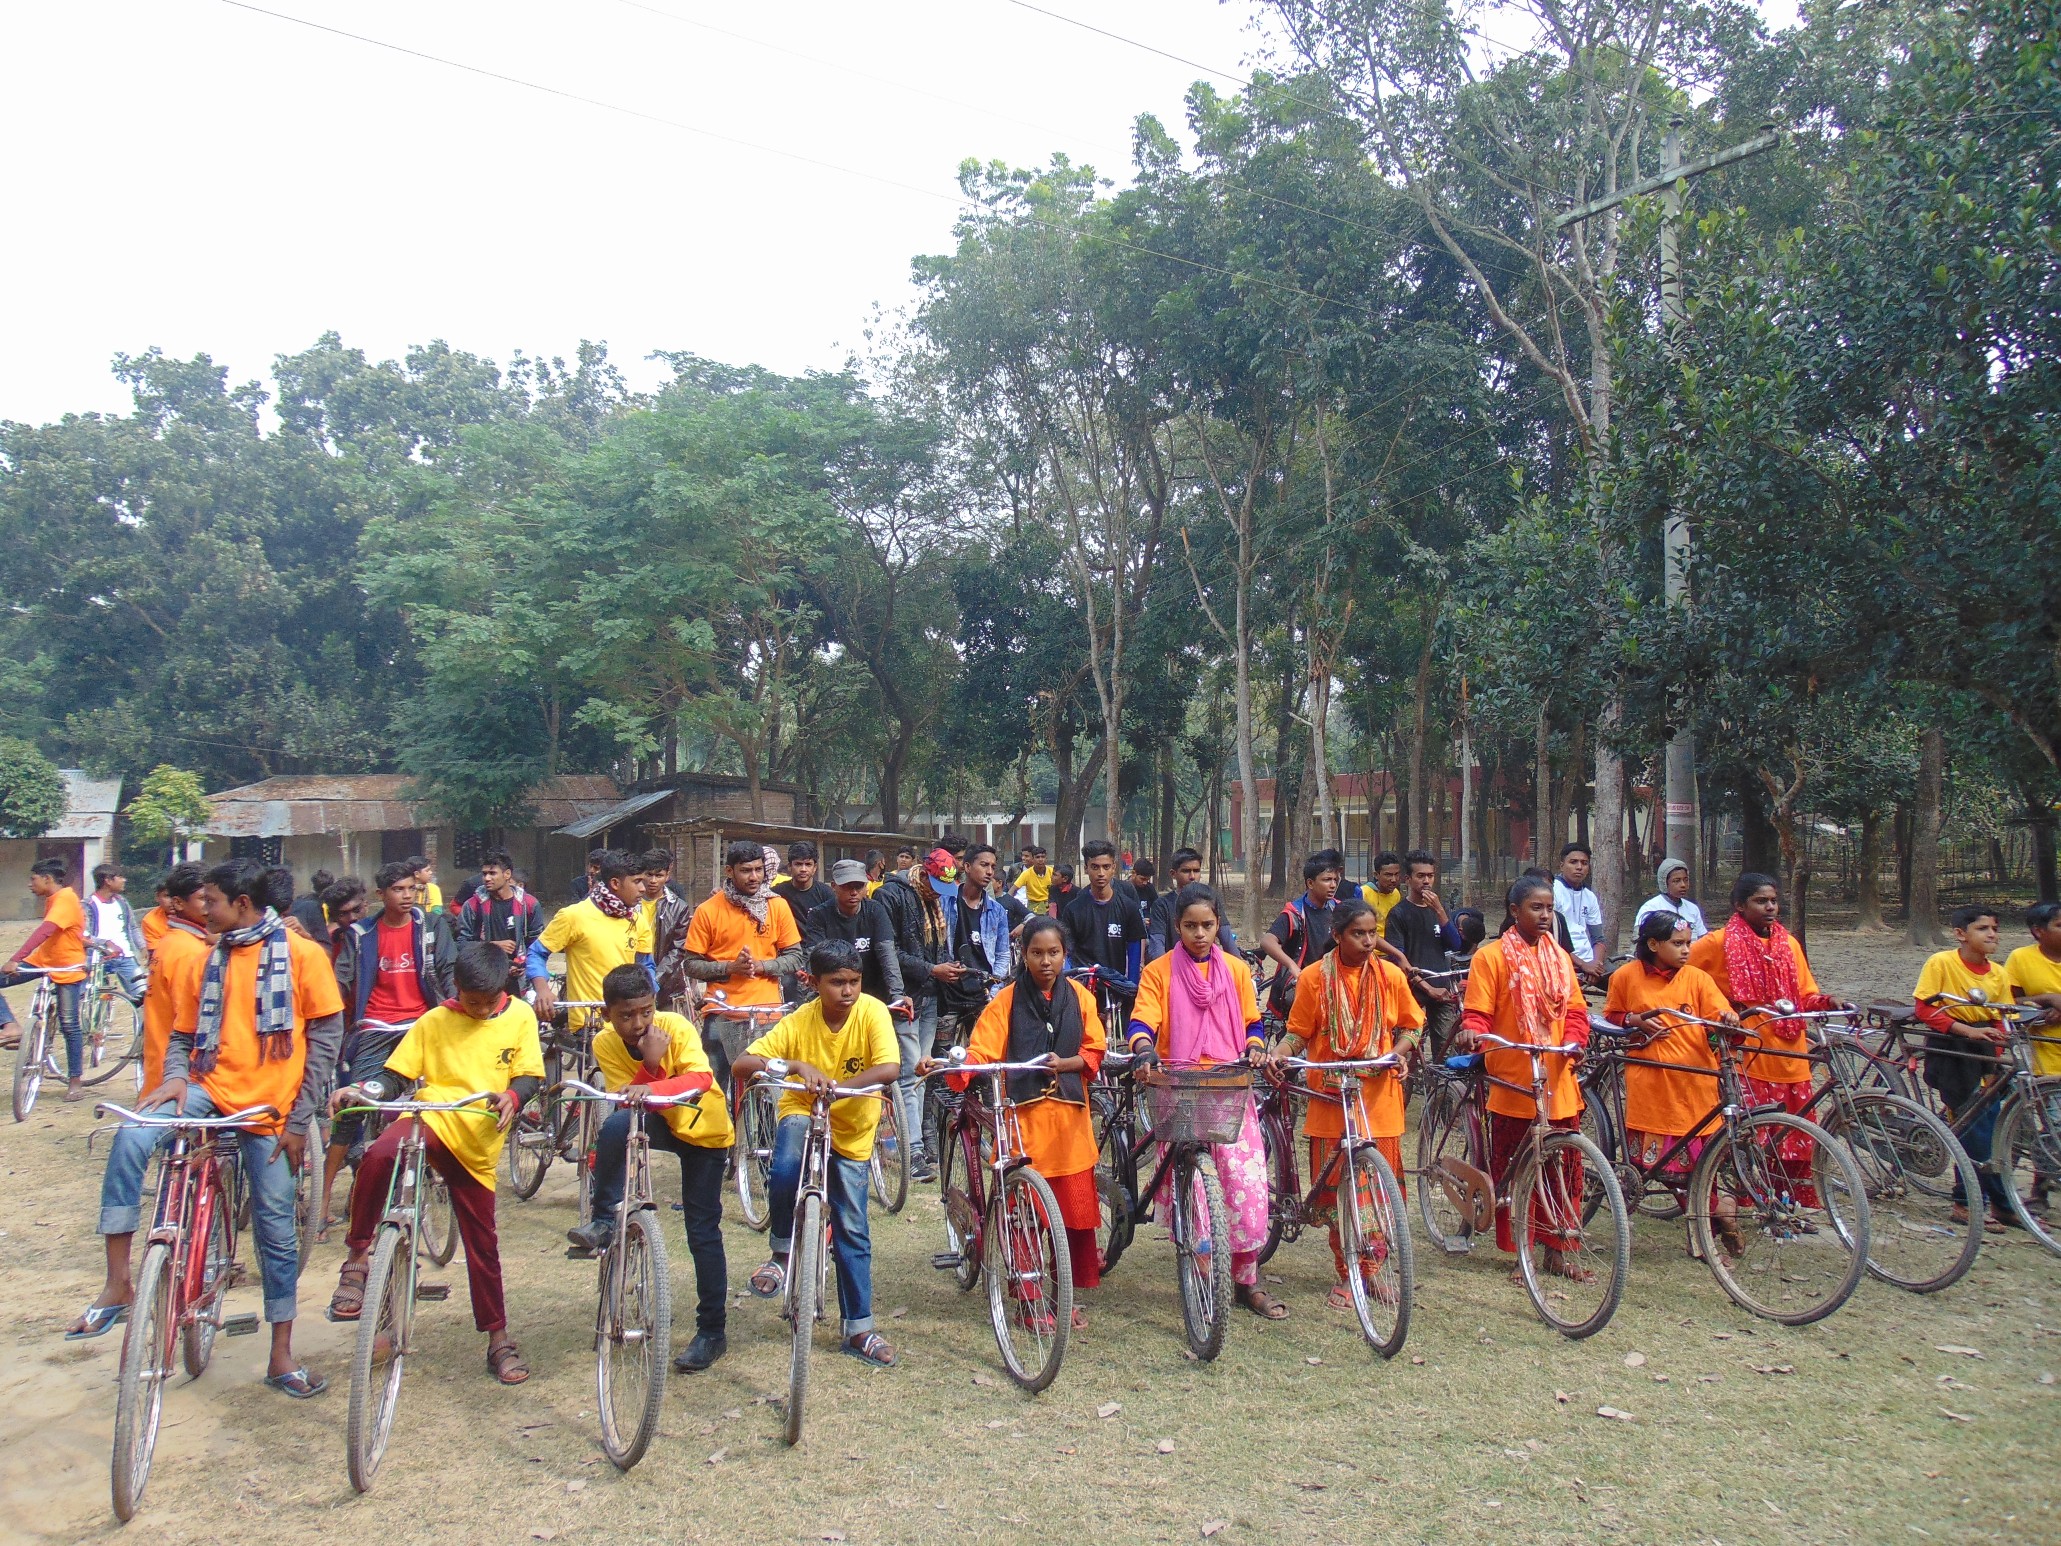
(32, 792)
(170, 805)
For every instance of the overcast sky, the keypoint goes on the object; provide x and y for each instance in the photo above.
(204, 178)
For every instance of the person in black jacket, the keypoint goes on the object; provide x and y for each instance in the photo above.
(852, 915)
(923, 948)
(501, 913)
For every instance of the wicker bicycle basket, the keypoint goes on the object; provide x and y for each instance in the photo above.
(1199, 1105)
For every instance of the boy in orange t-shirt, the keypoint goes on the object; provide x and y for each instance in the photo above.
(58, 945)
(181, 959)
(740, 942)
(263, 1030)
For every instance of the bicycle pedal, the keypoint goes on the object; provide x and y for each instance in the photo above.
(239, 1325)
(432, 1292)
(1459, 1247)
(947, 1261)
(580, 1253)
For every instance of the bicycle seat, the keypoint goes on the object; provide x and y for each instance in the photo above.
(1117, 1064)
(1465, 1062)
(1905, 1013)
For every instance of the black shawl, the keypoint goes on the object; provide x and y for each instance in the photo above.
(1037, 1027)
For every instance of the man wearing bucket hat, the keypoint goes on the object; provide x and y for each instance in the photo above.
(1673, 898)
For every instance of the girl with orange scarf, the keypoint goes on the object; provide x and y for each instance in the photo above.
(1754, 961)
(1522, 987)
(1352, 1005)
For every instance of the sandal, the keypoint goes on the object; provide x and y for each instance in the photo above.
(770, 1279)
(302, 1384)
(1340, 1298)
(348, 1302)
(869, 1347)
(506, 1365)
(98, 1321)
(1261, 1303)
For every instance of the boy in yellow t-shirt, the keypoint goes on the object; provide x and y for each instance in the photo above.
(2035, 973)
(483, 1041)
(645, 1051)
(597, 935)
(841, 1038)
(1386, 888)
(1960, 1047)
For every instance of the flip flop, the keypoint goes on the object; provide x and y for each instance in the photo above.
(768, 1280)
(98, 1321)
(869, 1347)
(302, 1384)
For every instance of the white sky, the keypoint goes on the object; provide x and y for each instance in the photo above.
(195, 176)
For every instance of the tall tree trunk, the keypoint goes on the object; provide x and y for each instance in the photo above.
(1867, 892)
(1168, 838)
(1542, 788)
(1420, 715)
(1759, 848)
(1606, 824)
(891, 775)
(2040, 819)
(1320, 752)
(1923, 924)
(1903, 855)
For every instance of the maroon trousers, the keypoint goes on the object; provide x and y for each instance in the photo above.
(472, 1203)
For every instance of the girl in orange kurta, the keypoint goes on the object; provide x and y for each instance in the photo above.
(1041, 1013)
(1354, 1005)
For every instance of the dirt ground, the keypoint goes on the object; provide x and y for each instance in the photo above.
(1901, 1417)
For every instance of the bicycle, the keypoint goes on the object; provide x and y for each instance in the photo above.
(1554, 1215)
(1740, 1198)
(808, 1265)
(392, 1288)
(548, 1127)
(2025, 1150)
(999, 1225)
(189, 1261)
(756, 1119)
(36, 1058)
(98, 1019)
(633, 1314)
(1113, 1108)
(1372, 1227)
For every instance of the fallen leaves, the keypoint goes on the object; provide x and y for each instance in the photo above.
(1313, 1360)
(1615, 1414)
(719, 1457)
(1959, 1417)
(1774, 1368)
(1108, 1409)
(1165, 1446)
(983, 1379)
(1956, 1348)
(832, 1535)
(1635, 1360)
(1561, 1397)
(1214, 1526)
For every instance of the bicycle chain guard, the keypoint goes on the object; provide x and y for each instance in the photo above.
(1469, 1190)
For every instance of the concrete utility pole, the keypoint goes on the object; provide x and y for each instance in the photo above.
(1680, 795)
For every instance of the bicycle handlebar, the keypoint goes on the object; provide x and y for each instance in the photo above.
(723, 1009)
(147, 1119)
(584, 1091)
(409, 1107)
(1388, 1060)
(1531, 1046)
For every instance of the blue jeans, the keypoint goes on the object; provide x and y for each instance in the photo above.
(914, 1039)
(1978, 1140)
(129, 976)
(266, 1172)
(851, 1244)
(67, 1016)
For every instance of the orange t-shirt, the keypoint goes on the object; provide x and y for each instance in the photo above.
(1381, 1098)
(1488, 991)
(1151, 1007)
(67, 947)
(242, 1076)
(1708, 955)
(175, 975)
(1058, 1136)
(1668, 1100)
(152, 925)
(720, 929)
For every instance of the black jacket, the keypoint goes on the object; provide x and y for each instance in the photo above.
(905, 908)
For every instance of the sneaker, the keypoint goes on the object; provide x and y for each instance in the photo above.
(593, 1235)
(701, 1352)
(921, 1169)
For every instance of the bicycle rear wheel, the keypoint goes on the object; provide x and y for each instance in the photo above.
(146, 1365)
(2027, 1157)
(1573, 1265)
(197, 1336)
(1374, 1235)
(1283, 1194)
(804, 1283)
(1202, 1252)
(1914, 1168)
(1030, 1279)
(635, 1339)
(121, 1023)
(1116, 1184)
(752, 1151)
(307, 1191)
(31, 1059)
(890, 1162)
(962, 1216)
(1441, 1139)
(388, 1317)
(439, 1234)
(531, 1144)
(1796, 1260)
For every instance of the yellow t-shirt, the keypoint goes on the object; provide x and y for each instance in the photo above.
(1036, 889)
(2032, 973)
(455, 1055)
(432, 898)
(1381, 902)
(647, 926)
(865, 1040)
(594, 945)
(1946, 972)
(706, 1122)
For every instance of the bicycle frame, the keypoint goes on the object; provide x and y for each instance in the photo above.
(1351, 1072)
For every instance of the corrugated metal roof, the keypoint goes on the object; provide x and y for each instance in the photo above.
(309, 805)
(90, 805)
(615, 815)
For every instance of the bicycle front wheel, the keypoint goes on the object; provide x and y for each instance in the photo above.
(752, 1154)
(381, 1355)
(1202, 1252)
(1374, 1236)
(804, 1284)
(962, 1215)
(531, 1145)
(31, 1059)
(1775, 1248)
(146, 1365)
(890, 1162)
(1915, 1169)
(2027, 1157)
(439, 1233)
(1573, 1262)
(120, 1023)
(1283, 1190)
(1030, 1279)
(635, 1339)
(197, 1336)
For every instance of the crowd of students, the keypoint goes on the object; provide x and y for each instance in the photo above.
(308, 1005)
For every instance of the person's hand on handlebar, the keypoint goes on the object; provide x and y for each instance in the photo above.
(349, 1095)
(505, 1108)
(811, 1078)
(948, 971)
(542, 999)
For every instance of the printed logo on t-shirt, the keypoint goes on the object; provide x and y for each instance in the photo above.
(855, 1065)
(863, 943)
(1116, 931)
(506, 1057)
(403, 964)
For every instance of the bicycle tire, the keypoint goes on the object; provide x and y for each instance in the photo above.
(1202, 1253)
(203, 1318)
(1384, 1320)
(1283, 1190)
(752, 1158)
(1738, 1164)
(1607, 1258)
(2027, 1153)
(889, 1170)
(633, 1344)
(1022, 1239)
(804, 1282)
(1113, 1227)
(1442, 1134)
(376, 1387)
(530, 1149)
(30, 1060)
(98, 1073)
(962, 1215)
(307, 1191)
(1913, 1165)
(140, 1394)
(1116, 1166)
(439, 1232)
(586, 1125)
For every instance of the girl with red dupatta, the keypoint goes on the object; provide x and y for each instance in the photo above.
(1755, 961)
(1522, 987)
(1195, 1005)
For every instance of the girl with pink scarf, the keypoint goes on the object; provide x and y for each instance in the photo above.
(1196, 1004)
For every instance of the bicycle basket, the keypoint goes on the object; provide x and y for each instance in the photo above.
(1199, 1105)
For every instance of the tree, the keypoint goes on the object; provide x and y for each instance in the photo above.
(170, 807)
(33, 797)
